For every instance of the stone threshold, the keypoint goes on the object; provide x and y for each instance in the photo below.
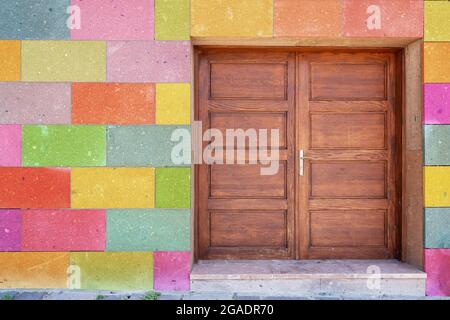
(303, 269)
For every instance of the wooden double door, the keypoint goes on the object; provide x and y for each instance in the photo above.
(335, 194)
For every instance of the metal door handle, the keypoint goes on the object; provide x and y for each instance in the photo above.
(301, 160)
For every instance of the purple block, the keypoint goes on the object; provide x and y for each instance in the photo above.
(35, 103)
(437, 267)
(437, 103)
(149, 61)
(171, 270)
(10, 230)
(10, 145)
(114, 20)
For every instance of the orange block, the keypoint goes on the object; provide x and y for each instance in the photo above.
(113, 103)
(9, 60)
(33, 269)
(308, 18)
(34, 188)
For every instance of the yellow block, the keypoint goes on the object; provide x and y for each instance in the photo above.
(173, 103)
(437, 21)
(231, 18)
(113, 187)
(437, 62)
(437, 186)
(33, 269)
(64, 61)
(9, 60)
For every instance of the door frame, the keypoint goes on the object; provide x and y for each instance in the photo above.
(409, 88)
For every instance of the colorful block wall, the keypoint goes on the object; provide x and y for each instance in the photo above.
(88, 105)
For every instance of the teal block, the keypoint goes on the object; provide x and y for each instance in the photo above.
(437, 228)
(173, 188)
(63, 146)
(437, 145)
(144, 145)
(148, 230)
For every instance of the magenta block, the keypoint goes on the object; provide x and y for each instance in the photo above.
(35, 103)
(437, 103)
(149, 61)
(10, 221)
(437, 267)
(10, 145)
(171, 270)
(114, 20)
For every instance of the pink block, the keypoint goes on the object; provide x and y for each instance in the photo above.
(63, 230)
(35, 103)
(437, 103)
(171, 270)
(399, 18)
(149, 61)
(10, 145)
(437, 267)
(114, 20)
(10, 230)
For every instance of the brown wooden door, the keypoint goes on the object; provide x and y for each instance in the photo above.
(339, 108)
(346, 128)
(241, 213)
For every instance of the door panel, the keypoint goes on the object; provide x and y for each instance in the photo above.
(346, 129)
(241, 213)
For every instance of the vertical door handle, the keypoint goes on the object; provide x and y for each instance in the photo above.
(301, 159)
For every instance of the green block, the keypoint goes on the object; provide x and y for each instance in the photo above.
(63, 145)
(173, 188)
(112, 270)
(148, 230)
(437, 228)
(172, 19)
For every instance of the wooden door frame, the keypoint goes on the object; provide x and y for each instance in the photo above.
(409, 86)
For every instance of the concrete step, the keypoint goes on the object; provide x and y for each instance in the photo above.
(345, 278)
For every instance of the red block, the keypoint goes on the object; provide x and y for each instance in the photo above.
(171, 270)
(34, 188)
(399, 18)
(63, 230)
(437, 267)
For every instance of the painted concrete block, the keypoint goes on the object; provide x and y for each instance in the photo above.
(436, 62)
(29, 103)
(125, 271)
(113, 103)
(112, 188)
(437, 145)
(34, 270)
(148, 230)
(437, 227)
(9, 60)
(437, 21)
(76, 61)
(172, 19)
(114, 20)
(173, 187)
(172, 270)
(10, 230)
(149, 61)
(142, 146)
(398, 18)
(308, 18)
(34, 19)
(63, 230)
(173, 103)
(34, 188)
(231, 18)
(437, 186)
(10, 145)
(437, 266)
(64, 146)
(437, 103)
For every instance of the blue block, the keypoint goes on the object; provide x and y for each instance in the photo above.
(437, 228)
